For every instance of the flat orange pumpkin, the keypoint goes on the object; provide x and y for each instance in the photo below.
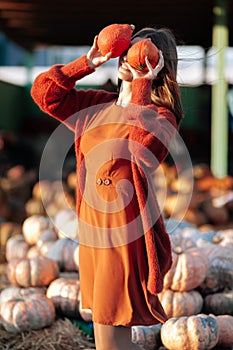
(137, 53)
(115, 38)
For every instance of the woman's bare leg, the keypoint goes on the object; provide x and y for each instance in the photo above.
(113, 338)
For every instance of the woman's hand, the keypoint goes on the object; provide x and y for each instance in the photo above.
(152, 72)
(94, 56)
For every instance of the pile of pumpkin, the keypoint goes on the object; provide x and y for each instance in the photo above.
(196, 196)
(42, 267)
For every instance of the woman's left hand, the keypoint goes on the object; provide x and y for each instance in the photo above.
(152, 73)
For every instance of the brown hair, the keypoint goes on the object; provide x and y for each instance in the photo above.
(165, 89)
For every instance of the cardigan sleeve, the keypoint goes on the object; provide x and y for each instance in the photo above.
(55, 93)
(151, 128)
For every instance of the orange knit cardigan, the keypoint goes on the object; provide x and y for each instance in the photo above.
(150, 129)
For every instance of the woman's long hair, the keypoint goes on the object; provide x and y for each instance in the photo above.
(165, 89)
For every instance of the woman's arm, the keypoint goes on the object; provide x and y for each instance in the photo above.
(151, 128)
(54, 91)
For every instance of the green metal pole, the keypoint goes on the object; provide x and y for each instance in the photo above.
(219, 117)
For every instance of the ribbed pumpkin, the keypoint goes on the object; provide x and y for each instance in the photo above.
(46, 240)
(25, 313)
(115, 38)
(34, 206)
(17, 292)
(219, 276)
(219, 303)
(16, 248)
(35, 272)
(225, 326)
(66, 224)
(7, 230)
(33, 252)
(33, 226)
(138, 52)
(147, 337)
(64, 295)
(62, 251)
(177, 304)
(197, 332)
(189, 267)
(86, 314)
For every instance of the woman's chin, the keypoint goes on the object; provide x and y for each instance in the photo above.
(125, 75)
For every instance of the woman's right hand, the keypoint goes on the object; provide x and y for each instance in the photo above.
(94, 56)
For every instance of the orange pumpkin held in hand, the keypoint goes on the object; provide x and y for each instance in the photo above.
(115, 38)
(137, 53)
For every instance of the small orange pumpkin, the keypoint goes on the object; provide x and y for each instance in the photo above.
(115, 38)
(139, 51)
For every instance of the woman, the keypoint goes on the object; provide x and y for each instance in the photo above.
(120, 139)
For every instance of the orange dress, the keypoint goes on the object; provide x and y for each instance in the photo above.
(124, 255)
(113, 258)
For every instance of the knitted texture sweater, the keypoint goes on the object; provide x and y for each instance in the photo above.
(150, 131)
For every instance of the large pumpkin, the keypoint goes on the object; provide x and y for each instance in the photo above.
(189, 267)
(115, 38)
(34, 206)
(62, 251)
(137, 53)
(45, 240)
(225, 326)
(64, 294)
(7, 230)
(66, 224)
(33, 252)
(177, 304)
(197, 332)
(86, 314)
(219, 274)
(16, 247)
(147, 337)
(35, 272)
(17, 292)
(33, 226)
(219, 303)
(25, 313)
